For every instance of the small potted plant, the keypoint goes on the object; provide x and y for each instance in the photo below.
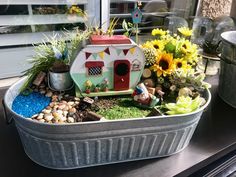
(54, 58)
(97, 88)
(108, 37)
(105, 85)
(88, 85)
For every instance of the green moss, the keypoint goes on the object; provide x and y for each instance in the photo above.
(124, 109)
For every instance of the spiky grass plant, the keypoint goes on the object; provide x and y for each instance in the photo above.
(46, 55)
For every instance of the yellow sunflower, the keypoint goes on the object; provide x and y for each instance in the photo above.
(185, 31)
(180, 63)
(187, 47)
(164, 64)
(158, 31)
(158, 44)
(147, 44)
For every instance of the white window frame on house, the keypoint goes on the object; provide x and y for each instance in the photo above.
(176, 7)
(16, 48)
(94, 65)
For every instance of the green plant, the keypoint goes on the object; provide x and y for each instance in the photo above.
(210, 48)
(110, 31)
(183, 105)
(189, 78)
(45, 57)
(113, 23)
(129, 28)
(55, 54)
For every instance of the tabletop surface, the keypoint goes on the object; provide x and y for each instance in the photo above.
(215, 131)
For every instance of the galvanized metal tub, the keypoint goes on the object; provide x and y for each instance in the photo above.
(227, 80)
(69, 146)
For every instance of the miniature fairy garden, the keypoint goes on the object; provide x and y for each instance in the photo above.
(159, 79)
(111, 77)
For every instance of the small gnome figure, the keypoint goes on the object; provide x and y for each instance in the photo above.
(143, 97)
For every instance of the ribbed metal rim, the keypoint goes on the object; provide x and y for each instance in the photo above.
(100, 122)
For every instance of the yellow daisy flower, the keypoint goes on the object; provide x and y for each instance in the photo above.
(186, 47)
(180, 63)
(164, 64)
(158, 44)
(147, 44)
(185, 31)
(158, 31)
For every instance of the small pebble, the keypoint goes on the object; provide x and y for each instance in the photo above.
(63, 119)
(72, 110)
(39, 117)
(42, 91)
(60, 112)
(47, 111)
(48, 117)
(61, 106)
(49, 94)
(65, 113)
(42, 120)
(77, 99)
(70, 103)
(70, 120)
(56, 115)
(34, 116)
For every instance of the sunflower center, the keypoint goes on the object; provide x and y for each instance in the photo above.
(179, 64)
(156, 46)
(164, 64)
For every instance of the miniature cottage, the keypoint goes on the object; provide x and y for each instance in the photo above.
(110, 69)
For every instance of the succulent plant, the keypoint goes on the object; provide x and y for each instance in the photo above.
(192, 79)
(184, 105)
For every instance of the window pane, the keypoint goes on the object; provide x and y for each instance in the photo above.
(28, 21)
(156, 14)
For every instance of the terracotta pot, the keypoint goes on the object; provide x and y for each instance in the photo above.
(96, 89)
(87, 91)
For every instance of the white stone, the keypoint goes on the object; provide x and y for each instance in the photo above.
(48, 117)
(70, 103)
(34, 116)
(47, 111)
(70, 120)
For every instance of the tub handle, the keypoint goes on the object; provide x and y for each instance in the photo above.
(5, 115)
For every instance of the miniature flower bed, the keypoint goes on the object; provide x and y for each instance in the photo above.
(169, 84)
(89, 128)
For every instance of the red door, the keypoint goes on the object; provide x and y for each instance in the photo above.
(121, 75)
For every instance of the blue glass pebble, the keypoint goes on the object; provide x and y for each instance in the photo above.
(31, 104)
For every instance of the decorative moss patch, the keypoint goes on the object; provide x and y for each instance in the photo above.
(120, 108)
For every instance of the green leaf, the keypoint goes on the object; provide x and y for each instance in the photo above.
(130, 25)
(124, 25)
